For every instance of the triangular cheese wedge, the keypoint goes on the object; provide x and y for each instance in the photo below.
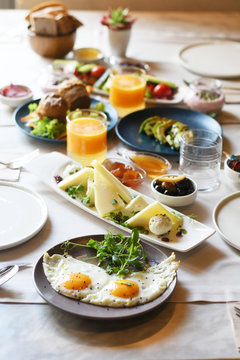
(106, 197)
(142, 218)
(109, 178)
(110, 194)
(137, 204)
(80, 177)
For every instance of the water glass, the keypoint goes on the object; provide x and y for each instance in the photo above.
(200, 157)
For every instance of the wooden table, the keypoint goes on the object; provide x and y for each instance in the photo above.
(181, 329)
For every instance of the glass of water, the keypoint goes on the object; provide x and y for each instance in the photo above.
(200, 157)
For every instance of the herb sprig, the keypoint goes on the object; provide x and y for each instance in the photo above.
(117, 254)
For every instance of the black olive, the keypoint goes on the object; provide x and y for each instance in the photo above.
(178, 188)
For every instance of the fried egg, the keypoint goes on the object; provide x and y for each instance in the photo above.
(72, 277)
(91, 284)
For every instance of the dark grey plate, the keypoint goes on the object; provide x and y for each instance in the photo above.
(23, 110)
(90, 311)
(128, 127)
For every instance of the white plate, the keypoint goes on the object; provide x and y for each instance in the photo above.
(178, 97)
(212, 58)
(226, 219)
(23, 213)
(49, 165)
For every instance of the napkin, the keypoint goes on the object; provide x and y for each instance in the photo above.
(235, 320)
(6, 173)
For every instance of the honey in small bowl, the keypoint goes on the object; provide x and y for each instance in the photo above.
(154, 165)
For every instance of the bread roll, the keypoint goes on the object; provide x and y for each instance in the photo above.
(75, 94)
(53, 106)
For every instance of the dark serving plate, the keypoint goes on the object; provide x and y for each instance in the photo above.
(84, 310)
(23, 110)
(128, 127)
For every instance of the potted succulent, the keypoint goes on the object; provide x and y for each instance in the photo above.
(119, 23)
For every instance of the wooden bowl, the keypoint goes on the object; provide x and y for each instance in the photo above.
(52, 46)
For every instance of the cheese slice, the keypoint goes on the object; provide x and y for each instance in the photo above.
(137, 204)
(107, 197)
(142, 218)
(80, 177)
(112, 181)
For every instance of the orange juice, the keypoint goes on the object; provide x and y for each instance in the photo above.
(127, 93)
(86, 140)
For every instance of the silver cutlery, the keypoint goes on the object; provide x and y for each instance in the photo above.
(19, 162)
(7, 272)
(237, 311)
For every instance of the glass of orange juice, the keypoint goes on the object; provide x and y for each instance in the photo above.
(86, 136)
(127, 89)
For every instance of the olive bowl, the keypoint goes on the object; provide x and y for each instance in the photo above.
(173, 200)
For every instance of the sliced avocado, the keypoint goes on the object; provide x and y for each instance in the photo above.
(151, 120)
(174, 136)
(156, 80)
(160, 129)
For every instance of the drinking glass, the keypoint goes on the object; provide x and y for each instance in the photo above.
(87, 136)
(200, 157)
(127, 89)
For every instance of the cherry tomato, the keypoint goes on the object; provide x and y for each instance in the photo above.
(162, 90)
(97, 71)
(150, 87)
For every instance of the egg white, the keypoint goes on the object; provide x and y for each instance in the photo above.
(58, 267)
(152, 282)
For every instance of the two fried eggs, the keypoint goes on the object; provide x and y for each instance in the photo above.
(91, 284)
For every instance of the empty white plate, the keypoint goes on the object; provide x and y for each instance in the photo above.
(23, 213)
(212, 58)
(226, 219)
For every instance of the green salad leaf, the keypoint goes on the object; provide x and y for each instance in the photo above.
(49, 128)
(116, 253)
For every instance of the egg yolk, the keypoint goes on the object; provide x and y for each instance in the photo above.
(125, 289)
(77, 281)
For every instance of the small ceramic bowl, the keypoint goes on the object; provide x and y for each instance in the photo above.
(88, 54)
(230, 173)
(172, 200)
(15, 101)
(127, 172)
(52, 46)
(154, 165)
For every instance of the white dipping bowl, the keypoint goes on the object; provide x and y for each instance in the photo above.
(14, 102)
(230, 173)
(174, 200)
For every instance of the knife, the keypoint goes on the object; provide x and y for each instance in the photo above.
(7, 272)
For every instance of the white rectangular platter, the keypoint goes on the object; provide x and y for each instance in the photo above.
(49, 165)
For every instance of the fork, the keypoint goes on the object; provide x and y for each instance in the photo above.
(19, 162)
(237, 311)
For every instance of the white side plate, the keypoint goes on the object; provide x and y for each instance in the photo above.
(49, 165)
(23, 213)
(212, 58)
(177, 98)
(226, 219)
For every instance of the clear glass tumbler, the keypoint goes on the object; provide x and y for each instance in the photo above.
(200, 157)
(87, 136)
(127, 89)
